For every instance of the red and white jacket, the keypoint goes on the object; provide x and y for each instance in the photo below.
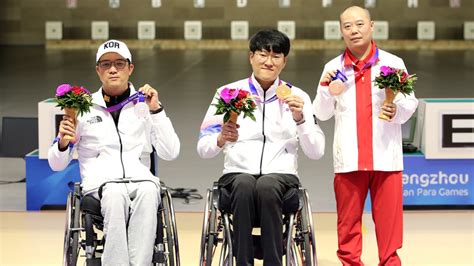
(386, 153)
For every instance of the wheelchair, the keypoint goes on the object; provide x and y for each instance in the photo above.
(299, 245)
(83, 215)
(84, 220)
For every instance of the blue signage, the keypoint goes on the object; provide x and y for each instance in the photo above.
(44, 187)
(437, 181)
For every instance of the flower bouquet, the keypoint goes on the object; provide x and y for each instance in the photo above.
(232, 102)
(74, 100)
(394, 80)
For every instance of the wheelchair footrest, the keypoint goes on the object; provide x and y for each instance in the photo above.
(159, 255)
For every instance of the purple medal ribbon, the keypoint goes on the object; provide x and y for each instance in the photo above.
(139, 95)
(370, 63)
(340, 76)
(254, 91)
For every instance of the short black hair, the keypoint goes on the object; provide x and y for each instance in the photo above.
(270, 40)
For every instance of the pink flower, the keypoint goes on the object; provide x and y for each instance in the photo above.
(386, 70)
(63, 89)
(228, 94)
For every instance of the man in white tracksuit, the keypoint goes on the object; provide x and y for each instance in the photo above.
(110, 140)
(367, 150)
(260, 162)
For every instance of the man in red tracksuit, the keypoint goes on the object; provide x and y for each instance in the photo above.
(367, 151)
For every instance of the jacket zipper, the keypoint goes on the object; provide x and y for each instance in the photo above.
(121, 147)
(263, 133)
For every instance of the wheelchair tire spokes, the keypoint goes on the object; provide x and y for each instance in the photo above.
(226, 258)
(67, 249)
(290, 254)
(171, 238)
(204, 230)
(302, 249)
(212, 236)
(166, 243)
(76, 230)
(299, 243)
(228, 239)
(166, 252)
(174, 231)
(211, 229)
(308, 246)
(72, 230)
(293, 256)
(311, 231)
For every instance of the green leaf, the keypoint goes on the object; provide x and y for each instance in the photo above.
(226, 117)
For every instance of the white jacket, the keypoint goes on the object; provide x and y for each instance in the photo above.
(267, 145)
(107, 152)
(387, 136)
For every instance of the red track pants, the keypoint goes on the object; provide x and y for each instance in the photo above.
(386, 193)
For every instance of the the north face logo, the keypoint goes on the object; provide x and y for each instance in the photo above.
(112, 45)
(95, 119)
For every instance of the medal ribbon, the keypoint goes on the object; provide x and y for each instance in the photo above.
(138, 95)
(341, 74)
(258, 98)
(367, 65)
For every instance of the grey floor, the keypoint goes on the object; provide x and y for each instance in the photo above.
(186, 81)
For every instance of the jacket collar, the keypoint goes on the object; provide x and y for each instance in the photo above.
(350, 59)
(97, 97)
(270, 91)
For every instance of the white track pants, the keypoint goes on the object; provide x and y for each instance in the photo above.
(137, 205)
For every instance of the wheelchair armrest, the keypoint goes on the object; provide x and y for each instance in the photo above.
(77, 189)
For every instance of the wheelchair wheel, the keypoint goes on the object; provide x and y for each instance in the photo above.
(171, 231)
(292, 240)
(72, 230)
(227, 257)
(166, 251)
(308, 247)
(208, 234)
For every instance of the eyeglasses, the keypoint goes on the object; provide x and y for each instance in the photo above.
(119, 64)
(262, 57)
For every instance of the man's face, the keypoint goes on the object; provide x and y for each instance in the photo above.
(356, 29)
(114, 72)
(267, 65)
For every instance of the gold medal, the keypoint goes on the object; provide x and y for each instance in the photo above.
(282, 91)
